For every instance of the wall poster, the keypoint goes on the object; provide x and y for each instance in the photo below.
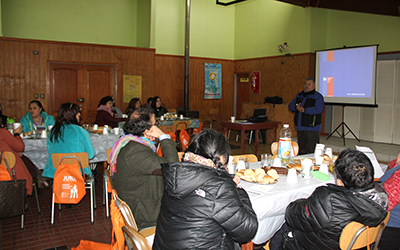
(132, 87)
(212, 81)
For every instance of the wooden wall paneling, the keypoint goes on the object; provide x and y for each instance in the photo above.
(169, 81)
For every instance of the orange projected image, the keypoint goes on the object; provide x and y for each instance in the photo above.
(330, 56)
(329, 86)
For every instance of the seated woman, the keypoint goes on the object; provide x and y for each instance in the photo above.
(316, 222)
(202, 207)
(105, 115)
(36, 117)
(3, 119)
(67, 137)
(156, 104)
(133, 105)
(15, 144)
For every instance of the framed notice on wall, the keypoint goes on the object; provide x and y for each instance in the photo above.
(132, 87)
(212, 83)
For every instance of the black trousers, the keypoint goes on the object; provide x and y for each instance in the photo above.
(307, 141)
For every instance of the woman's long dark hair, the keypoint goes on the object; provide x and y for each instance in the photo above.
(66, 115)
(131, 106)
(210, 144)
(104, 100)
(153, 103)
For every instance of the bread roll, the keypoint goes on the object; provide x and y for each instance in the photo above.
(273, 174)
(260, 171)
(267, 180)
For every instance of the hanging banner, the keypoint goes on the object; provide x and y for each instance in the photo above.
(255, 82)
(212, 83)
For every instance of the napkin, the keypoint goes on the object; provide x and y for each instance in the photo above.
(320, 175)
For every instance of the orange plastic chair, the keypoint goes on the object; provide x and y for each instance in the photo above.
(293, 153)
(184, 139)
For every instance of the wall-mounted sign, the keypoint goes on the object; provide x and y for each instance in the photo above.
(212, 80)
(244, 79)
(255, 82)
(132, 87)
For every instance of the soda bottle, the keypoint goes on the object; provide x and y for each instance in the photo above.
(285, 144)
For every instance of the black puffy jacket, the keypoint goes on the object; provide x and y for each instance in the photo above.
(202, 209)
(316, 222)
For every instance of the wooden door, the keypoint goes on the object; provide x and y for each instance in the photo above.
(243, 87)
(82, 84)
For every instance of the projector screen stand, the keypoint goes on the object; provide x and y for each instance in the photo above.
(342, 125)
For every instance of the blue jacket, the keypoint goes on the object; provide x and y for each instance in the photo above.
(73, 139)
(313, 103)
(27, 121)
(394, 220)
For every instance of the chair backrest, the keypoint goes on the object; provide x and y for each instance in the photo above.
(108, 153)
(135, 240)
(213, 113)
(82, 156)
(108, 174)
(253, 158)
(181, 125)
(356, 235)
(293, 153)
(168, 129)
(125, 211)
(10, 158)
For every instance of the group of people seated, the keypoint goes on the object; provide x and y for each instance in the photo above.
(194, 203)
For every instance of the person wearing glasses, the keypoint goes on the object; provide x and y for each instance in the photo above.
(136, 167)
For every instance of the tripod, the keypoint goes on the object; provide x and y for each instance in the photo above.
(342, 124)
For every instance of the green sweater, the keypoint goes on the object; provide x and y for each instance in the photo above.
(135, 184)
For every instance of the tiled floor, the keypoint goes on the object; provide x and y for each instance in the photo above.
(70, 226)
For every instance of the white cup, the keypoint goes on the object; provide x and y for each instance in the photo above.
(106, 126)
(181, 117)
(105, 131)
(43, 134)
(277, 162)
(291, 176)
(116, 131)
(232, 119)
(319, 160)
(162, 118)
(49, 127)
(95, 127)
(16, 125)
(328, 151)
(324, 169)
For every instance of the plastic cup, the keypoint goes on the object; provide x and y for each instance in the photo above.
(116, 131)
(43, 134)
(95, 127)
(306, 166)
(328, 151)
(16, 125)
(232, 119)
(319, 160)
(181, 117)
(291, 176)
(105, 131)
(324, 169)
(49, 127)
(277, 162)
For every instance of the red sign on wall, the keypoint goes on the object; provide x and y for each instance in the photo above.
(255, 82)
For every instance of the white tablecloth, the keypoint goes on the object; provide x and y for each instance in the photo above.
(270, 201)
(36, 150)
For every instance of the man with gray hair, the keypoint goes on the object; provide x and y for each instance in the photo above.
(308, 106)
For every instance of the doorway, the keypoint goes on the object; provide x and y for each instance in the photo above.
(84, 84)
(242, 88)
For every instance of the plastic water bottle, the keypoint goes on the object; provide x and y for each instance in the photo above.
(285, 144)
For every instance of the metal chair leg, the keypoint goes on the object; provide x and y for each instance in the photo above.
(22, 222)
(91, 201)
(52, 210)
(37, 198)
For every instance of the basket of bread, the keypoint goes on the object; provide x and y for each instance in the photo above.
(258, 175)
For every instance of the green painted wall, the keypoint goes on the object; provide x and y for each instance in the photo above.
(143, 23)
(261, 25)
(1, 20)
(211, 28)
(88, 21)
(354, 29)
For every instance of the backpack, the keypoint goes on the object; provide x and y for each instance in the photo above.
(69, 183)
(273, 99)
(5, 171)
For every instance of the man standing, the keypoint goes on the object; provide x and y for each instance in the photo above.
(136, 167)
(308, 106)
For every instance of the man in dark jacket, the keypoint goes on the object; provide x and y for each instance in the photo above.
(138, 178)
(308, 106)
(315, 223)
